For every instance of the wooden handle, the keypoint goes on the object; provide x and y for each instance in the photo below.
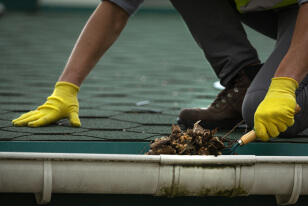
(251, 136)
(297, 109)
(248, 137)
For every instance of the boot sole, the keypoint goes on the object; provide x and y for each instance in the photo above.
(225, 125)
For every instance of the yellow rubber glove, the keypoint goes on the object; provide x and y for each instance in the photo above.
(276, 112)
(63, 103)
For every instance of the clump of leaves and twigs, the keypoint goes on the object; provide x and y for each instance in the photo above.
(195, 141)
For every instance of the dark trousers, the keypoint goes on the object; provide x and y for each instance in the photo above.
(217, 28)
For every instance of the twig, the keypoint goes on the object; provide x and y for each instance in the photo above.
(232, 129)
(145, 148)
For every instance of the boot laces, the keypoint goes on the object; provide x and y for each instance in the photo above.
(221, 97)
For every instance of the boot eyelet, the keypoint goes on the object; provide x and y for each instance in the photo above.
(229, 95)
(235, 89)
(223, 101)
(217, 106)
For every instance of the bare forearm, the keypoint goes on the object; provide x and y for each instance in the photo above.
(295, 64)
(100, 32)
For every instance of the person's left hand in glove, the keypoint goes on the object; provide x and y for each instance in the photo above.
(276, 112)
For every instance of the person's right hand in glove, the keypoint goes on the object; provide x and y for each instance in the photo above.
(63, 103)
(276, 112)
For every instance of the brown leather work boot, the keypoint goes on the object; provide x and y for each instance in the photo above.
(226, 110)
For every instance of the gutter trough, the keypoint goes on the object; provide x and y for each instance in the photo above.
(159, 175)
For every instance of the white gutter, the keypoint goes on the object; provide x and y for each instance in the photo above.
(160, 175)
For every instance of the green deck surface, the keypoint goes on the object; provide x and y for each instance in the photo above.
(155, 60)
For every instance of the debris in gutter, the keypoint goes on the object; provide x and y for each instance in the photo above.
(196, 141)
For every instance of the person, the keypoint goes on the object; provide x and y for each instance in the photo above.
(231, 55)
(221, 36)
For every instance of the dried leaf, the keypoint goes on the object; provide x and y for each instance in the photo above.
(162, 141)
(197, 127)
(175, 129)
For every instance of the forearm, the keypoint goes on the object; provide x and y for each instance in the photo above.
(295, 63)
(100, 32)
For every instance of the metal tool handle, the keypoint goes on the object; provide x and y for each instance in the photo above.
(251, 136)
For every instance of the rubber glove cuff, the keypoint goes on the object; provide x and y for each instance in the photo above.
(283, 84)
(62, 91)
(65, 88)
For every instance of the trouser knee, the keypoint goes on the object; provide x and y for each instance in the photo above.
(250, 105)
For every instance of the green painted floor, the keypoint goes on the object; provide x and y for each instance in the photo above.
(155, 61)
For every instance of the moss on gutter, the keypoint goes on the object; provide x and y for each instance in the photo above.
(182, 191)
